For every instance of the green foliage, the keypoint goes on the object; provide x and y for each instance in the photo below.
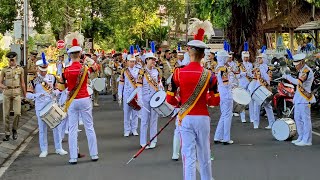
(8, 13)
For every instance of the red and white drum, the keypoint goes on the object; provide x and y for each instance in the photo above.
(132, 101)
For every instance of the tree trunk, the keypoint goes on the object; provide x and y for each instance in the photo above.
(244, 26)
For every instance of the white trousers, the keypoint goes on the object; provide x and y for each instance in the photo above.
(43, 135)
(81, 107)
(130, 118)
(195, 144)
(148, 119)
(269, 112)
(302, 117)
(251, 112)
(224, 125)
(63, 127)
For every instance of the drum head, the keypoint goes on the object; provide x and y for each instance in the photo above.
(132, 95)
(90, 90)
(46, 108)
(241, 96)
(157, 99)
(280, 130)
(98, 84)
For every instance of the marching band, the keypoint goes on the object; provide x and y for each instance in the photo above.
(149, 85)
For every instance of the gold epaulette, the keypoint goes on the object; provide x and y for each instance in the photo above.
(305, 70)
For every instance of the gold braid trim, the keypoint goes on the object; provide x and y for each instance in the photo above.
(131, 78)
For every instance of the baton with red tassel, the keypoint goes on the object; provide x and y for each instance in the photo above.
(144, 147)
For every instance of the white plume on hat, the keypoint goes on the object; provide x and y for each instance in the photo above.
(74, 35)
(197, 24)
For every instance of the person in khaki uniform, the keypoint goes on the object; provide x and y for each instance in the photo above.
(31, 66)
(116, 71)
(92, 76)
(168, 65)
(12, 82)
(107, 71)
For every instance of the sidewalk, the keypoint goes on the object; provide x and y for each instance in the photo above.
(27, 125)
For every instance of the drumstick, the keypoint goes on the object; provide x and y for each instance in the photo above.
(144, 147)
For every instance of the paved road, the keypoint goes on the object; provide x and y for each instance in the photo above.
(265, 159)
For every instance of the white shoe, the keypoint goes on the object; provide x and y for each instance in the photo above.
(79, 130)
(126, 134)
(61, 152)
(66, 132)
(235, 114)
(301, 143)
(80, 122)
(95, 104)
(255, 127)
(43, 154)
(94, 158)
(135, 133)
(295, 141)
(268, 127)
(152, 145)
(243, 121)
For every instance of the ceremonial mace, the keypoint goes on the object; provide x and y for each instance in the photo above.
(144, 147)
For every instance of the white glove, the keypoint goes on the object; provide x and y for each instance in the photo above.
(120, 102)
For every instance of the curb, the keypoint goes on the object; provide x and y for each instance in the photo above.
(8, 148)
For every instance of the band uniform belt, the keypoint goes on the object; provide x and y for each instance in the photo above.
(31, 73)
(13, 87)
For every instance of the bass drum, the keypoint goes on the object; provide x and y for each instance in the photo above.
(283, 129)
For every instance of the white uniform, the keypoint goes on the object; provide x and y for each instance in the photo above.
(244, 83)
(176, 139)
(267, 106)
(149, 116)
(226, 106)
(42, 98)
(124, 91)
(302, 105)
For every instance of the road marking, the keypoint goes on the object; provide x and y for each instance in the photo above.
(315, 133)
(16, 154)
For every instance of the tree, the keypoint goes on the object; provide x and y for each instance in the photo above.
(8, 13)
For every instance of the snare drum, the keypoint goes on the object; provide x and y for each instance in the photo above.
(52, 115)
(283, 129)
(132, 101)
(261, 95)
(98, 84)
(160, 105)
(241, 98)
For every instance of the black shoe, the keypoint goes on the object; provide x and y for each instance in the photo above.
(14, 135)
(114, 97)
(175, 159)
(217, 142)
(6, 138)
(73, 163)
(81, 155)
